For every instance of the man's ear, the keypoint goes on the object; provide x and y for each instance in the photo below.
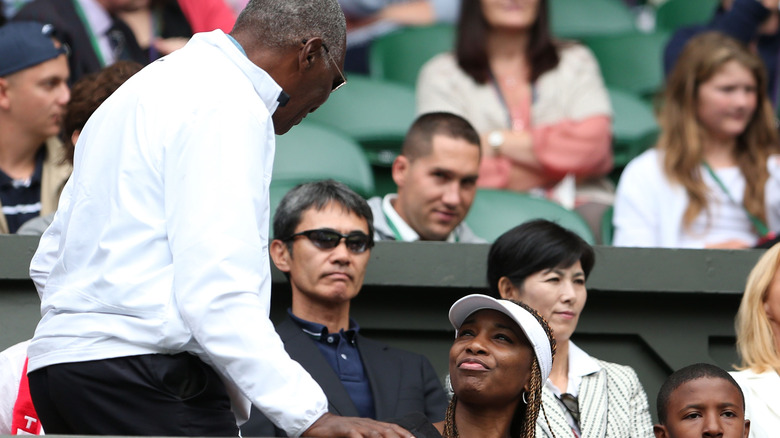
(280, 254)
(400, 168)
(5, 101)
(309, 53)
(75, 136)
(747, 429)
(660, 431)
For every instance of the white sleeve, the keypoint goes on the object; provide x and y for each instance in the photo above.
(49, 246)
(636, 214)
(217, 207)
(772, 194)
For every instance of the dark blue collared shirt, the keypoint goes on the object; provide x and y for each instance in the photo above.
(341, 352)
(21, 199)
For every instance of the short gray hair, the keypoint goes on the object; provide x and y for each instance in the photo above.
(282, 23)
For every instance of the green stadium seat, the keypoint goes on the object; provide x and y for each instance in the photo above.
(631, 61)
(607, 228)
(634, 128)
(497, 211)
(373, 112)
(581, 18)
(398, 56)
(673, 14)
(311, 152)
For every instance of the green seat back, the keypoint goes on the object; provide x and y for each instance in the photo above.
(607, 228)
(398, 56)
(631, 61)
(497, 211)
(373, 112)
(634, 127)
(581, 18)
(673, 14)
(311, 152)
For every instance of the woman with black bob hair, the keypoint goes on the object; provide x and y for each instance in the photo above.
(545, 266)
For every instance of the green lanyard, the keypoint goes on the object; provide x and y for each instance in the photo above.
(395, 231)
(90, 32)
(758, 224)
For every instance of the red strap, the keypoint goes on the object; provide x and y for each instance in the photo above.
(25, 419)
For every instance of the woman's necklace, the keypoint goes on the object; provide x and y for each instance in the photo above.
(517, 98)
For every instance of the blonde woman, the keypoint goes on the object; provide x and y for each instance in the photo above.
(711, 181)
(758, 343)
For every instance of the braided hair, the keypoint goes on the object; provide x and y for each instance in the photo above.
(524, 420)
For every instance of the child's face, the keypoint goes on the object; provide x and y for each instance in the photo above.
(703, 408)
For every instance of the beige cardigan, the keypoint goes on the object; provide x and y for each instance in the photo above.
(571, 93)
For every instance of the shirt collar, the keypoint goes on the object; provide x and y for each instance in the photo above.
(319, 332)
(265, 86)
(581, 364)
(404, 231)
(99, 20)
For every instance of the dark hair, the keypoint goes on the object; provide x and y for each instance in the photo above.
(317, 195)
(471, 43)
(685, 375)
(532, 247)
(88, 94)
(420, 136)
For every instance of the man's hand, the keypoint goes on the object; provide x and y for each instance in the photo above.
(330, 425)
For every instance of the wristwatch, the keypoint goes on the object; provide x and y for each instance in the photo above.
(495, 139)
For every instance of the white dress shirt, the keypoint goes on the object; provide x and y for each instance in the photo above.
(580, 364)
(161, 241)
(762, 401)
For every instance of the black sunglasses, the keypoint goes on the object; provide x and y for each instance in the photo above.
(325, 238)
(572, 405)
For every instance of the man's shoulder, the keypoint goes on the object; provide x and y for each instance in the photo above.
(465, 235)
(382, 230)
(405, 356)
(375, 202)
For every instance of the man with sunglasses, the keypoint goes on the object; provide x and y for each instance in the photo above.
(436, 174)
(154, 275)
(323, 238)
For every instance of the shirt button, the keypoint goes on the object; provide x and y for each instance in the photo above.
(343, 356)
(330, 339)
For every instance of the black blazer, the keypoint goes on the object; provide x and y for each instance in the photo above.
(70, 30)
(401, 382)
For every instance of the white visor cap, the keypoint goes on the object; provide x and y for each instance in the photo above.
(527, 322)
